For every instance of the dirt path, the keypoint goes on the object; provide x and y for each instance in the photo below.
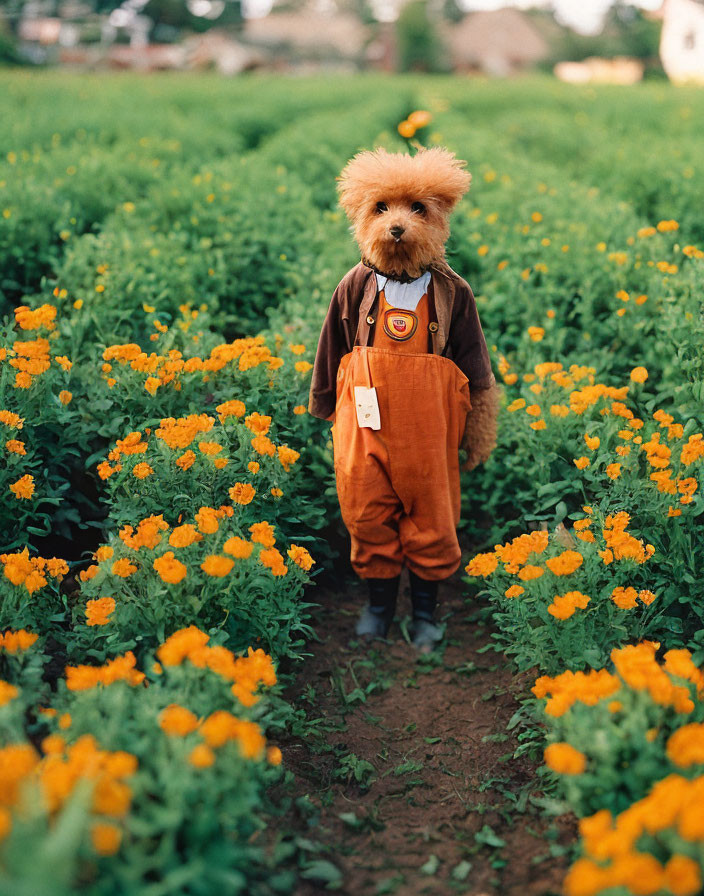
(410, 781)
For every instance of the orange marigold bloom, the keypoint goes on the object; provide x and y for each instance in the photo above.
(287, 456)
(300, 557)
(216, 565)
(238, 547)
(207, 520)
(263, 445)
(177, 720)
(564, 759)
(253, 466)
(482, 564)
(528, 573)
(23, 488)
(183, 536)
(181, 645)
(514, 591)
(232, 408)
(209, 448)
(19, 640)
(273, 559)
(65, 397)
(142, 470)
(300, 409)
(613, 471)
(258, 423)
(624, 598)
(639, 374)
(242, 493)
(581, 462)
(123, 568)
(565, 563)
(98, 611)
(303, 366)
(106, 838)
(263, 533)
(15, 446)
(186, 460)
(201, 756)
(169, 569)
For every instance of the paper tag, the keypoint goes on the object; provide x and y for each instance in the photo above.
(367, 407)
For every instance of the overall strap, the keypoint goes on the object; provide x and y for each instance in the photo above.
(432, 316)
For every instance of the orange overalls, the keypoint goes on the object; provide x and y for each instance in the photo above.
(399, 486)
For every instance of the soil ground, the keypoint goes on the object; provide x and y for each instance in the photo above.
(410, 780)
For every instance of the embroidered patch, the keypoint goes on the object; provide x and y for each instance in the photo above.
(400, 324)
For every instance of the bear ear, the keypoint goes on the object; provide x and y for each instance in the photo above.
(362, 175)
(443, 175)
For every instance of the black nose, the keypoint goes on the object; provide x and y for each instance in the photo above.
(397, 232)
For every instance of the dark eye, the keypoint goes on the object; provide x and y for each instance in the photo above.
(418, 207)
(381, 207)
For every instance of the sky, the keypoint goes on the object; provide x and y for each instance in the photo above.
(582, 15)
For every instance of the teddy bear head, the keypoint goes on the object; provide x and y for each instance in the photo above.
(400, 205)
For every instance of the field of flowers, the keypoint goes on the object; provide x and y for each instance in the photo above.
(165, 265)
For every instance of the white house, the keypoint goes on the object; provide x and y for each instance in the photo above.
(682, 41)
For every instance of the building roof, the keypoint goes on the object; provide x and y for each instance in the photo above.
(502, 37)
(308, 30)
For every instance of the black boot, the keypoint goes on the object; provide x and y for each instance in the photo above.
(378, 615)
(424, 598)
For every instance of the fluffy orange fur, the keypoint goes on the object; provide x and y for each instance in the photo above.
(433, 177)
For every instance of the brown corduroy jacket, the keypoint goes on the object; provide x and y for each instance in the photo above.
(352, 315)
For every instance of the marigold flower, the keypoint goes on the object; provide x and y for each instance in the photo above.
(263, 445)
(287, 456)
(482, 564)
(177, 720)
(258, 423)
(564, 759)
(123, 568)
(639, 374)
(209, 448)
(624, 598)
(514, 591)
(300, 556)
(23, 489)
(613, 471)
(528, 573)
(536, 333)
(15, 446)
(242, 493)
(207, 520)
(201, 756)
(303, 366)
(65, 397)
(263, 533)
(106, 838)
(142, 470)
(238, 547)
(215, 565)
(98, 611)
(253, 466)
(183, 536)
(273, 559)
(232, 408)
(581, 462)
(7, 692)
(17, 640)
(169, 569)
(565, 563)
(300, 409)
(592, 442)
(186, 460)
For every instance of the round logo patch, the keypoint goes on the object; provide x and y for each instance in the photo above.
(400, 324)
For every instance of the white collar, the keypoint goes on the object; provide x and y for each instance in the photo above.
(403, 295)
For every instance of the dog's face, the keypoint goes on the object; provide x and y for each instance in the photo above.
(399, 206)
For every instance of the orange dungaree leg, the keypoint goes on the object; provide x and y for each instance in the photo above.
(399, 486)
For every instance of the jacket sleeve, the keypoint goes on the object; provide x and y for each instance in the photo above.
(467, 343)
(332, 345)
